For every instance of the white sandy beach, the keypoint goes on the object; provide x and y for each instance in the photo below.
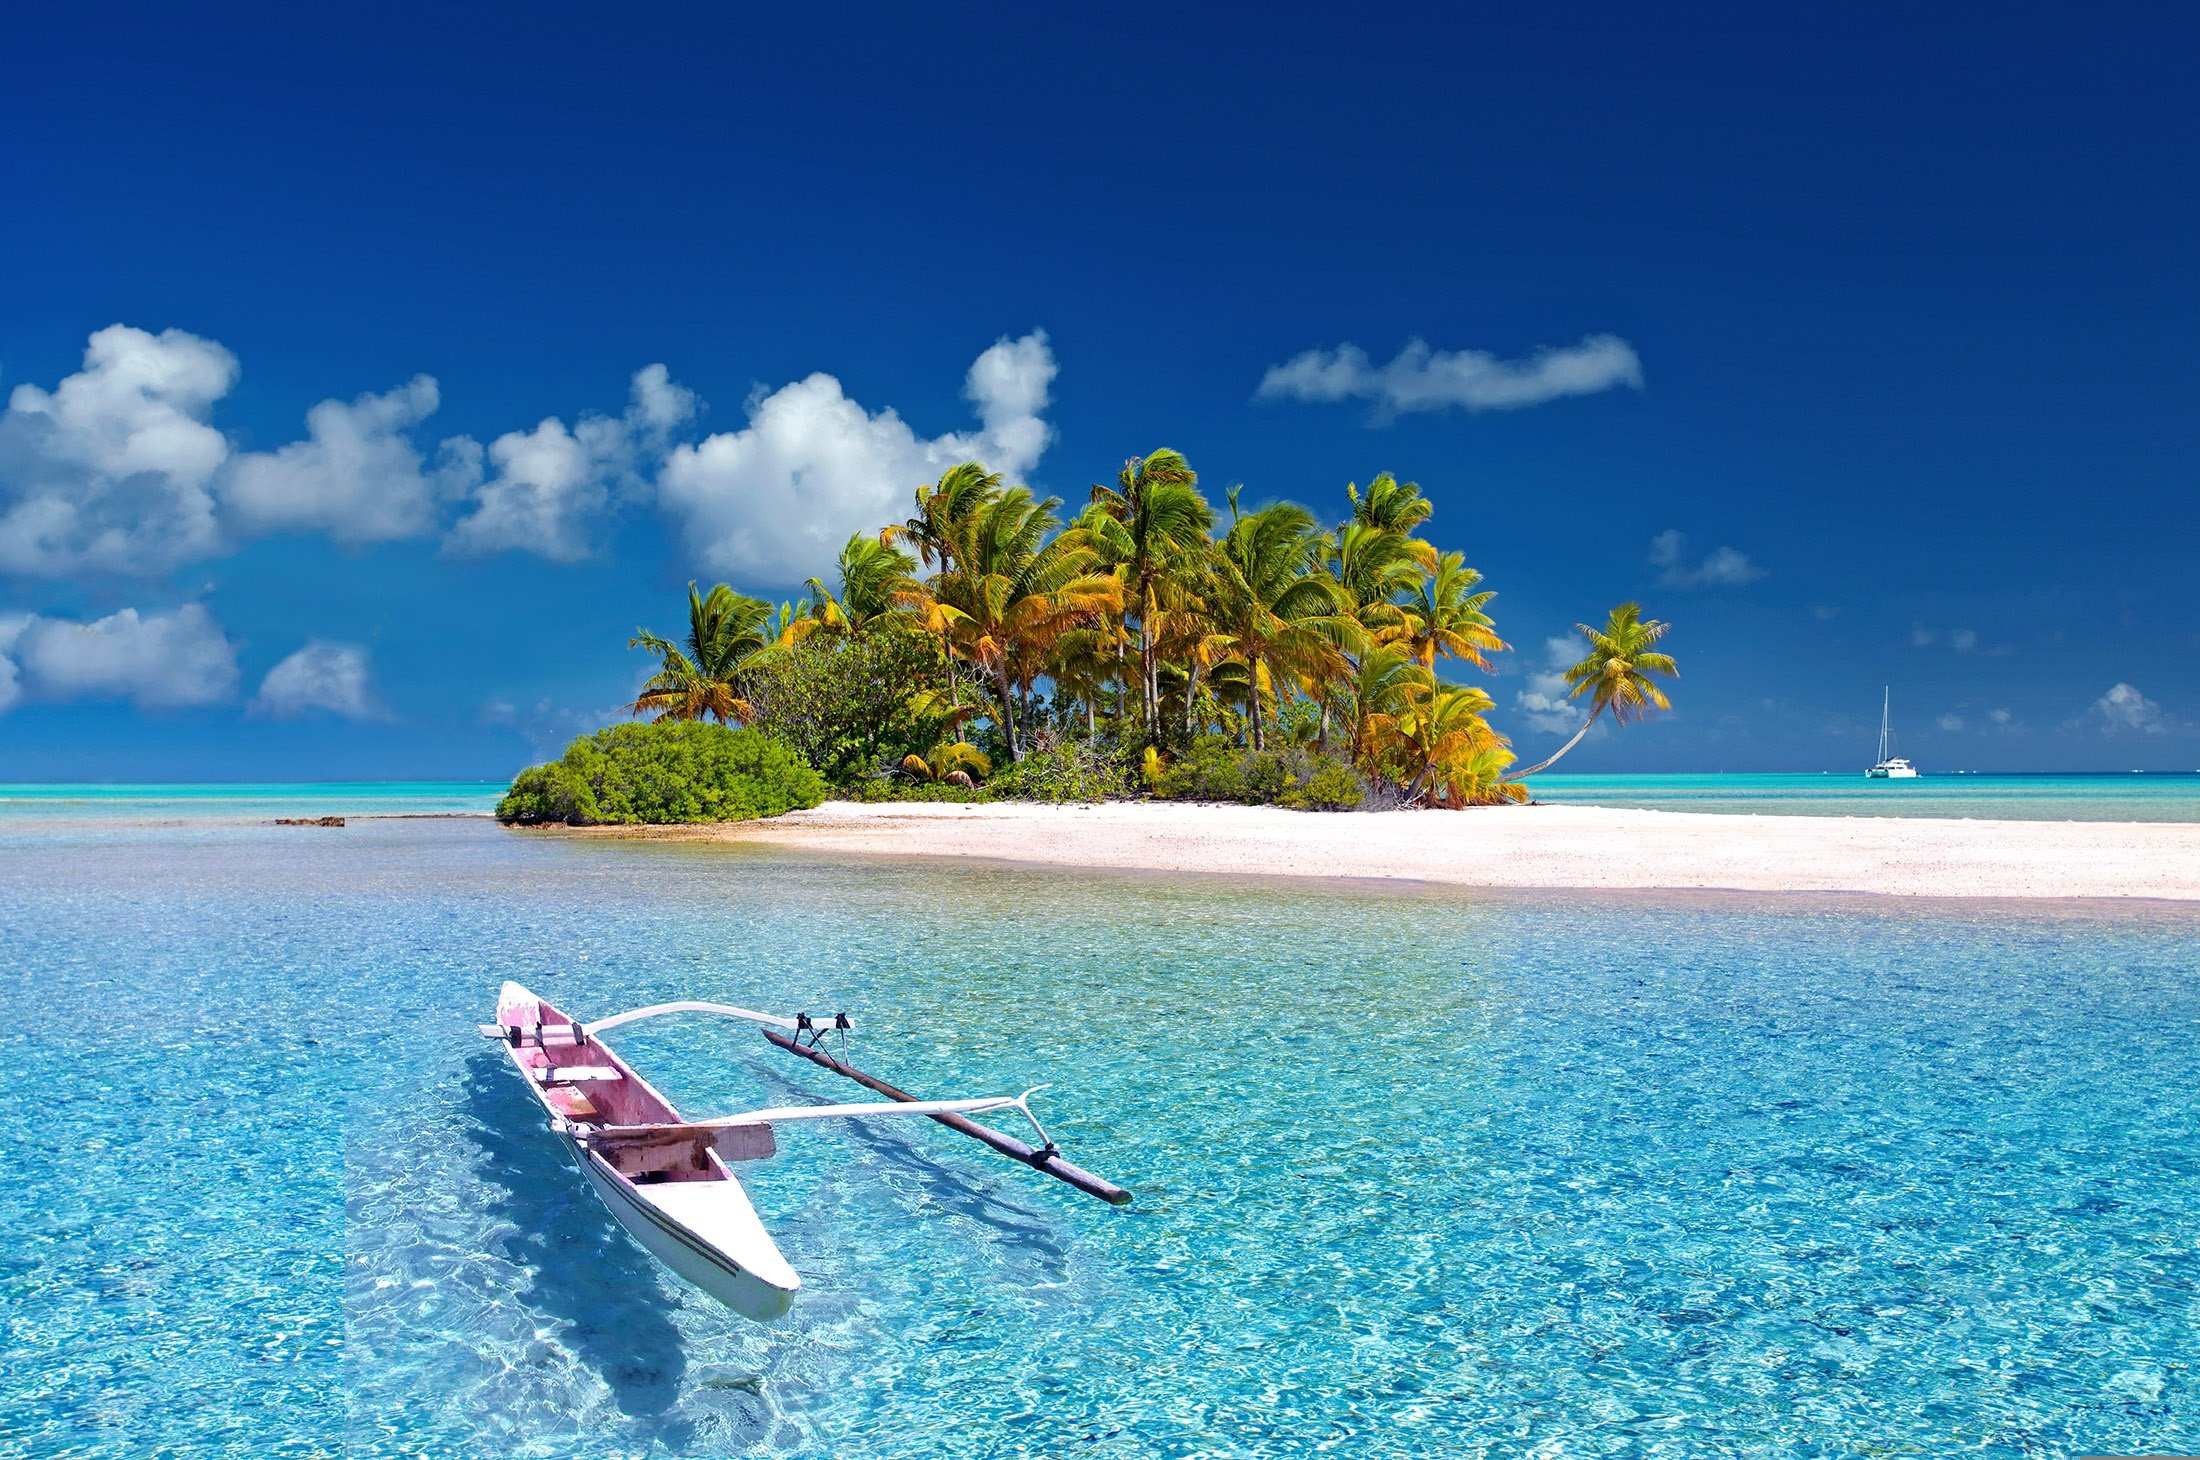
(1535, 846)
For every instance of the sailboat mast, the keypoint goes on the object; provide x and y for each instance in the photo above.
(1886, 721)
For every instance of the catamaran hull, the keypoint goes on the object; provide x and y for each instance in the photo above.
(708, 1268)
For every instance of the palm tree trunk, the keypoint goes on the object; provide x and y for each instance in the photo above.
(1254, 699)
(1191, 693)
(1148, 678)
(1413, 788)
(1569, 745)
(1008, 713)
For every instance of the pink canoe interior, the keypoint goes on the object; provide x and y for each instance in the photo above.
(595, 1087)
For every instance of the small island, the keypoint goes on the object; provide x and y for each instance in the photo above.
(988, 649)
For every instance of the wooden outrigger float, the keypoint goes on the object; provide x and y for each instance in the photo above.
(666, 1179)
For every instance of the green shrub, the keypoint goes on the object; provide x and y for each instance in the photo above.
(900, 788)
(1331, 786)
(659, 774)
(845, 701)
(1066, 770)
(553, 792)
(1213, 769)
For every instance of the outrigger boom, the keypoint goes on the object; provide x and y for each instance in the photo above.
(666, 1178)
(779, 1113)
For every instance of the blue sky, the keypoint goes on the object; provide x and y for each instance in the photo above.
(1855, 343)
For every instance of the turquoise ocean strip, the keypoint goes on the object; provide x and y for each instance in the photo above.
(2149, 796)
(2153, 796)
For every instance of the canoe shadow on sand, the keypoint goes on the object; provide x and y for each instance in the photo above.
(607, 1295)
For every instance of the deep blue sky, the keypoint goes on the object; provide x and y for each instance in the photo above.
(1912, 293)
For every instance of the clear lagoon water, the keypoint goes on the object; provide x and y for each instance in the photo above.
(1419, 1172)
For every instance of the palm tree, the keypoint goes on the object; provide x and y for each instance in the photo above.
(1443, 614)
(1377, 566)
(960, 763)
(1441, 738)
(725, 631)
(1084, 663)
(944, 512)
(1012, 595)
(794, 621)
(1481, 777)
(1393, 506)
(1272, 608)
(1151, 520)
(1381, 692)
(1616, 671)
(871, 574)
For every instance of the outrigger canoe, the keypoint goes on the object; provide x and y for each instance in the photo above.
(667, 1179)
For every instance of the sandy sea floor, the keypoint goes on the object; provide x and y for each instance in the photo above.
(1535, 846)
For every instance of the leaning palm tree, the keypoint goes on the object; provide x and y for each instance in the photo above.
(725, 631)
(1152, 520)
(1616, 671)
(1442, 614)
(1271, 607)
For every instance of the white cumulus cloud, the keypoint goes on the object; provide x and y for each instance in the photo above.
(321, 676)
(2123, 709)
(120, 470)
(774, 501)
(1723, 567)
(551, 484)
(1425, 379)
(111, 470)
(357, 476)
(11, 689)
(157, 660)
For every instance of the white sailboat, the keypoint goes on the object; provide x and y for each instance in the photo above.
(1890, 767)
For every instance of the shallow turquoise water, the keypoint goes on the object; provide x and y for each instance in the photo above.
(2155, 796)
(1417, 1172)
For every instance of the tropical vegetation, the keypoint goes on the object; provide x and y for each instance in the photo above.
(664, 772)
(997, 643)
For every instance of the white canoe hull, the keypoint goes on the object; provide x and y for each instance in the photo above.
(694, 1218)
(756, 1284)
